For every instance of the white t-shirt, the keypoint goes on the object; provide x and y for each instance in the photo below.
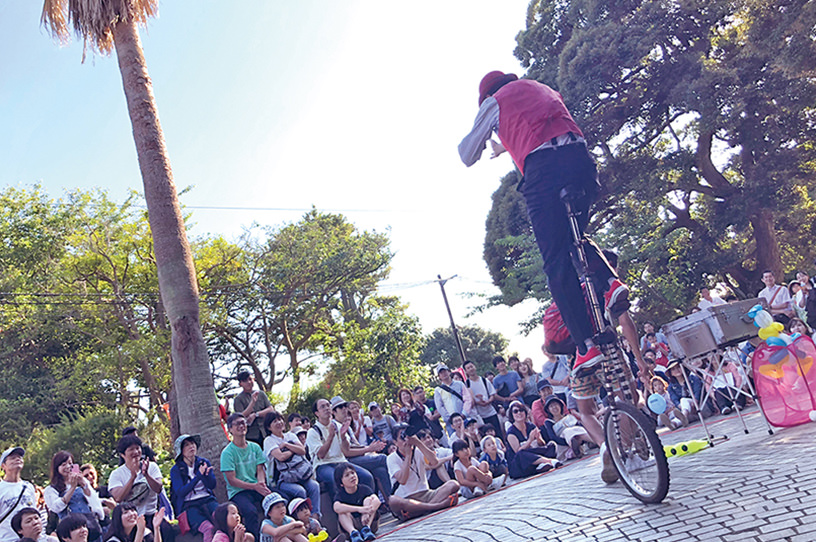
(417, 480)
(477, 387)
(715, 300)
(782, 296)
(315, 438)
(9, 492)
(144, 498)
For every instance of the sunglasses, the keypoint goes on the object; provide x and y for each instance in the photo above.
(517, 411)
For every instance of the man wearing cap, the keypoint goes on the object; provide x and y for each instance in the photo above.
(325, 445)
(15, 493)
(367, 457)
(545, 390)
(449, 395)
(254, 405)
(242, 463)
(192, 482)
(535, 127)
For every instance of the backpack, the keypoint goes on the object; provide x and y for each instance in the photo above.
(557, 339)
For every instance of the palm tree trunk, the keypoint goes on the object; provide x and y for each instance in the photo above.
(197, 404)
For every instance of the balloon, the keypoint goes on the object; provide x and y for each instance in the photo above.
(766, 332)
(795, 336)
(786, 338)
(763, 319)
(657, 403)
(776, 341)
(754, 310)
(812, 415)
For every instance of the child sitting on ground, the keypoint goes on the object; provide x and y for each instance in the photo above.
(474, 478)
(277, 526)
(494, 457)
(228, 526)
(487, 430)
(673, 417)
(301, 510)
(356, 505)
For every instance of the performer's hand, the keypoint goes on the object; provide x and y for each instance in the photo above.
(498, 148)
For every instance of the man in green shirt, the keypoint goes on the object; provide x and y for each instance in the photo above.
(242, 463)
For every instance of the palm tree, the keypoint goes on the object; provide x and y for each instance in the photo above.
(112, 24)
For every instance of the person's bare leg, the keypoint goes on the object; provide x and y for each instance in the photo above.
(345, 522)
(444, 492)
(586, 409)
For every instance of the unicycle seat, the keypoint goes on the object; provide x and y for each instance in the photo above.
(570, 194)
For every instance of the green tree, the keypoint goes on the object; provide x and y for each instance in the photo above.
(480, 346)
(701, 117)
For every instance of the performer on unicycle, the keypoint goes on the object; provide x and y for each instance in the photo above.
(549, 149)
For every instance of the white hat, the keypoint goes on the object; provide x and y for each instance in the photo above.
(12, 450)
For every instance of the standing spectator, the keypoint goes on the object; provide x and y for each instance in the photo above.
(70, 493)
(778, 298)
(254, 405)
(505, 382)
(660, 350)
(707, 299)
(138, 481)
(27, 523)
(381, 424)
(325, 446)
(527, 452)
(408, 467)
(432, 417)
(286, 455)
(798, 296)
(649, 328)
(556, 370)
(15, 493)
(449, 396)
(527, 384)
(242, 463)
(482, 390)
(192, 482)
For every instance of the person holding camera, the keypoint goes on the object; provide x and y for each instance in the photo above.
(406, 467)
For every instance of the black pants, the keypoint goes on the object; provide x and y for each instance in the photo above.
(546, 173)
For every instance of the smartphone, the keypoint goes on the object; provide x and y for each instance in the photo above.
(75, 468)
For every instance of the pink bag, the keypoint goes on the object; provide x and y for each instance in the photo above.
(785, 380)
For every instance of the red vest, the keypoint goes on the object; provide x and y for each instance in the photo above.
(531, 114)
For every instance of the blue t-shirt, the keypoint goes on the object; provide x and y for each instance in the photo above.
(506, 384)
(268, 537)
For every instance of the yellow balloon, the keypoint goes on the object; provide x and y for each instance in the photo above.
(769, 331)
(778, 327)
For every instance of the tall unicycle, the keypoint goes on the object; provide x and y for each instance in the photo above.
(630, 435)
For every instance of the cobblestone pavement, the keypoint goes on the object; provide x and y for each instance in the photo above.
(752, 487)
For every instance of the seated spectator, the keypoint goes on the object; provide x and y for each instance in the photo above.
(721, 384)
(432, 416)
(562, 428)
(242, 463)
(797, 325)
(472, 433)
(494, 457)
(528, 381)
(707, 299)
(528, 453)
(367, 457)
(405, 404)
(442, 473)
(127, 525)
(15, 493)
(381, 424)
(294, 422)
(138, 481)
(277, 526)
(673, 417)
(286, 456)
(360, 423)
(648, 329)
(545, 391)
(27, 523)
(89, 473)
(73, 528)
(324, 443)
(301, 510)
(474, 477)
(228, 526)
(681, 389)
(660, 350)
(408, 466)
(488, 430)
(192, 482)
(457, 422)
(356, 505)
(70, 493)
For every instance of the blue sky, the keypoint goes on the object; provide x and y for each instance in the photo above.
(353, 106)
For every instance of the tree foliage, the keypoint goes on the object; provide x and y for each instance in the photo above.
(701, 117)
(480, 347)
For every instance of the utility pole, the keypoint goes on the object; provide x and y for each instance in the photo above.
(450, 315)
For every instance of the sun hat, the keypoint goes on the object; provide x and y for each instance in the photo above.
(337, 402)
(179, 443)
(271, 500)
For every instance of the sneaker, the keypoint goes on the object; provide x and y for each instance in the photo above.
(497, 482)
(478, 492)
(616, 299)
(635, 463)
(356, 536)
(366, 533)
(608, 472)
(726, 411)
(588, 360)
(544, 467)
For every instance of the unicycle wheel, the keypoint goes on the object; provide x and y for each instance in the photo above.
(637, 453)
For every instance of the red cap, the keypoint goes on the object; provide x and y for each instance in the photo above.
(492, 82)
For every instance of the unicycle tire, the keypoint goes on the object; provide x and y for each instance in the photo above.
(637, 453)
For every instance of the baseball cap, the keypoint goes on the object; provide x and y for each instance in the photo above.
(373, 404)
(13, 450)
(543, 383)
(441, 367)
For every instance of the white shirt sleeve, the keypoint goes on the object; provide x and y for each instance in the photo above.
(53, 500)
(487, 120)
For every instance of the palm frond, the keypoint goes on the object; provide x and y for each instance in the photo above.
(93, 20)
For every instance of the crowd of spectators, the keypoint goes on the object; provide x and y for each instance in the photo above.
(417, 455)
